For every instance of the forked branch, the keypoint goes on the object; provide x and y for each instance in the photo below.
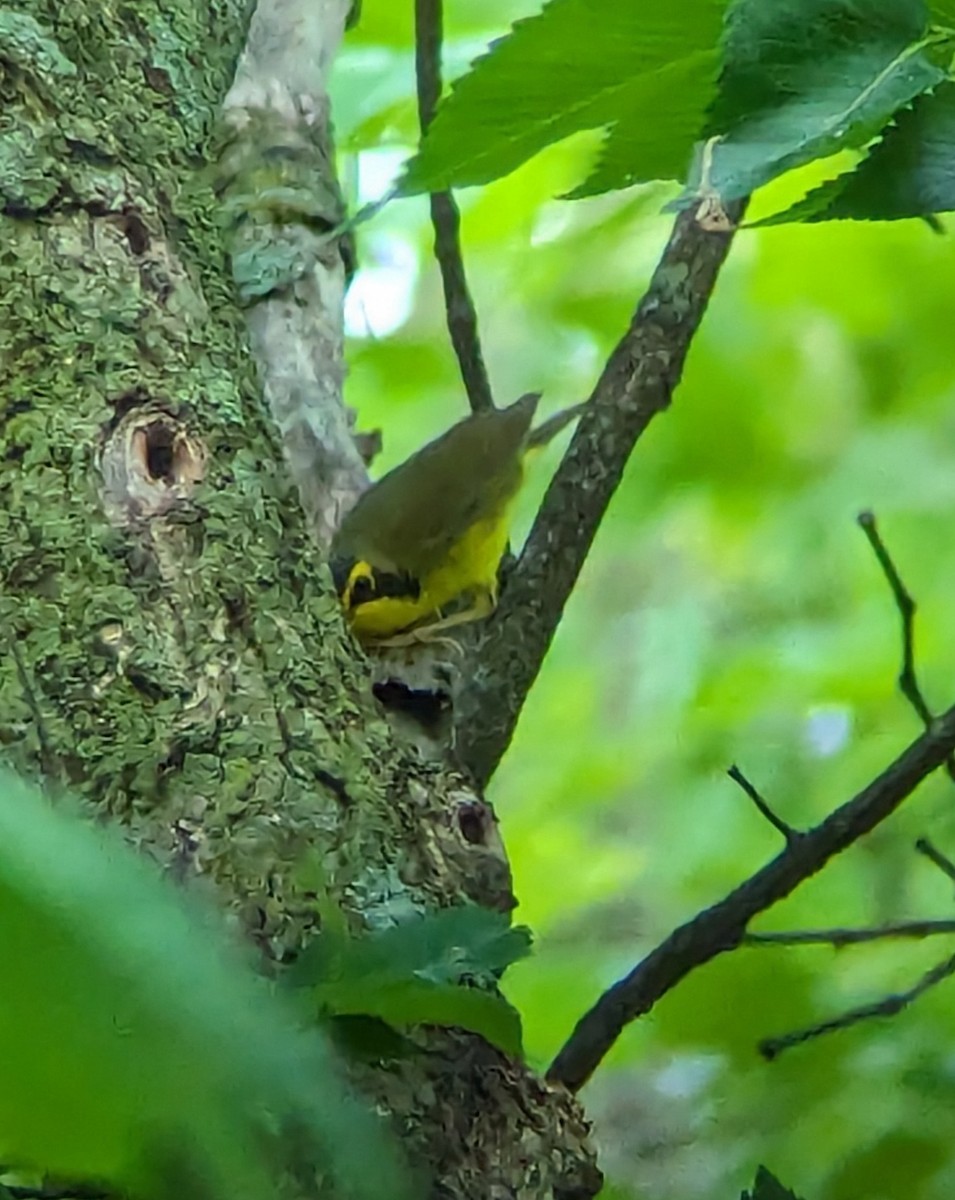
(888, 1006)
(723, 926)
(637, 383)
(905, 603)
(789, 834)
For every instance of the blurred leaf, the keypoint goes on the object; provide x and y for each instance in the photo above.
(768, 1187)
(133, 1049)
(901, 1162)
(806, 78)
(647, 67)
(768, 994)
(910, 172)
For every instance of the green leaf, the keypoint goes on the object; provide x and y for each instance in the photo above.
(451, 943)
(805, 78)
(636, 150)
(768, 1187)
(910, 172)
(403, 1003)
(368, 1039)
(579, 64)
(411, 973)
(134, 1049)
(441, 946)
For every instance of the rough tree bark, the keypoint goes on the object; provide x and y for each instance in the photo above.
(173, 649)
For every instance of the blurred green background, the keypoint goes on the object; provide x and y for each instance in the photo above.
(731, 611)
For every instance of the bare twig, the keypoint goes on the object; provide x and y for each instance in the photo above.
(790, 834)
(462, 317)
(636, 384)
(849, 937)
(944, 864)
(722, 927)
(905, 603)
(888, 1006)
(908, 680)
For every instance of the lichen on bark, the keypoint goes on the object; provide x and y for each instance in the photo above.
(174, 652)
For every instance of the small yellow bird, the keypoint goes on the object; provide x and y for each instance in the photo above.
(434, 530)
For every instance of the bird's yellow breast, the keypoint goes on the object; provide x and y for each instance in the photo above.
(470, 566)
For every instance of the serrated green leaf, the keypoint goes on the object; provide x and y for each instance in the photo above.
(910, 172)
(634, 149)
(768, 1187)
(403, 1003)
(134, 1049)
(576, 65)
(805, 78)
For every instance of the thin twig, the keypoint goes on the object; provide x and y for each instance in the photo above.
(636, 384)
(907, 607)
(944, 864)
(790, 834)
(888, 1006)
(445, 218)
(849, 937)
(722, 927)
(904, 602)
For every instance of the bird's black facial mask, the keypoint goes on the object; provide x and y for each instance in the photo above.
(359, 583)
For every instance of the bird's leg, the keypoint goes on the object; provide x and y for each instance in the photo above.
(481, 606)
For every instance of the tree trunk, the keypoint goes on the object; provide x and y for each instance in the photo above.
(174, 650)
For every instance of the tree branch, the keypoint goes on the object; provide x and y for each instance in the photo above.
(636, 384)
(905, 603)
(789, 834)
(291, 271)
(445, 218)
(944, 864)
(888, 1006)
(722, 927)
(849, 937)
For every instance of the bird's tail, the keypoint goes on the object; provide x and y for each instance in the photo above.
(553, 425)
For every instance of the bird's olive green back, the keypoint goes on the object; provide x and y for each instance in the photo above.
(411, 518)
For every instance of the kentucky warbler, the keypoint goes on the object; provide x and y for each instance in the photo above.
(434, 529)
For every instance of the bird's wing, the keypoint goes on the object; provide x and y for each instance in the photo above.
(412, 517)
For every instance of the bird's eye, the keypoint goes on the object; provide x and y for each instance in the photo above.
(362, 590)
